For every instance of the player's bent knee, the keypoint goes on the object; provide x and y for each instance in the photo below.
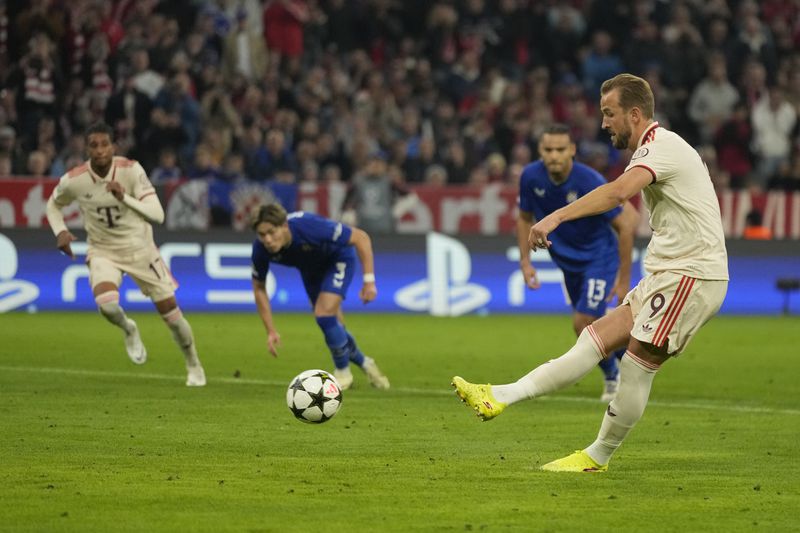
(327, 304)
(166, 305)
(647, 352)
(181, 330)
(108, 303)
(580, 321)
(172, 316)
(326, 310)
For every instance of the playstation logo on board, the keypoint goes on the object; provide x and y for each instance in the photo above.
(14, 293)
(447, 290)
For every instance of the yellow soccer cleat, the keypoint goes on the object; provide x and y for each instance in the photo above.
(576, 462)
(479, 397)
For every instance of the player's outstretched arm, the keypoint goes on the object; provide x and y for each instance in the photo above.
(524, 223)
(625, 226)
(265, 312)
(598, 201)
(56, 220)
(363, 245)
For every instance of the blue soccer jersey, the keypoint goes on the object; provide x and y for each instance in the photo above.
(586, 250)
(320, 250)
(576, 243)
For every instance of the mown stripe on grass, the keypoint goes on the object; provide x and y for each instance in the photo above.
(406, 390)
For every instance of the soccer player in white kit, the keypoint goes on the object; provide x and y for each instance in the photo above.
(685, 285)
(118, 204)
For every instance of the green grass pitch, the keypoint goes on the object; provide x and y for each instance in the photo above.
(91, 442)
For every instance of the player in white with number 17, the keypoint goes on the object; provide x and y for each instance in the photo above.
(685, 285)
(118, 205)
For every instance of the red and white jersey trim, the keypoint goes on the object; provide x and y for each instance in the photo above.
(649, 134)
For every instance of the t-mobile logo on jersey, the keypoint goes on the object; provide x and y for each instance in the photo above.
(447, 291)
(108, 215)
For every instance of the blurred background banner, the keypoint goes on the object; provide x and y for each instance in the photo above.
(454, 210)
(433, 274)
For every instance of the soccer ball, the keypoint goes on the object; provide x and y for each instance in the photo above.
(314, 396)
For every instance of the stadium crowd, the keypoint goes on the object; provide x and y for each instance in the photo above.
(431, 91)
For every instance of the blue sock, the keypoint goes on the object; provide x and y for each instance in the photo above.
(610, 366)
(356, 356)
(336, 339)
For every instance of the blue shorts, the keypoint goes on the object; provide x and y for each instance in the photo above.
(589, 289)
(335, 278)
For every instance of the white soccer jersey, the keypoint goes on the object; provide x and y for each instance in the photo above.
(111, 226)
(684, 210)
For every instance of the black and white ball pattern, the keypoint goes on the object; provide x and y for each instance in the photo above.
(314, 396)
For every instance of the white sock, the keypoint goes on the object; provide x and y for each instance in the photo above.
(635, 379)
(108, 305)
(555, 374)
(182, 333)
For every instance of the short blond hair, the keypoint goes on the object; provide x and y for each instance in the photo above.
(633, 92)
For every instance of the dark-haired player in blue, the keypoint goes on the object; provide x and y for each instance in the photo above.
(324, 251)
(594, 253)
